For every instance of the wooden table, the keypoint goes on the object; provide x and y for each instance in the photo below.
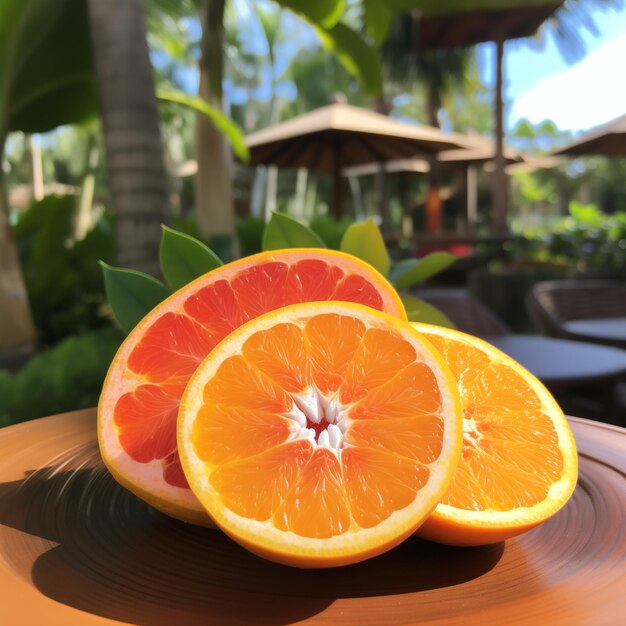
(561, 362)
(76, 549)
(609, 330)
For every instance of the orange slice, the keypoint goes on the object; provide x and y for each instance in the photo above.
(320, 434)
(139, 401)
(519, 464)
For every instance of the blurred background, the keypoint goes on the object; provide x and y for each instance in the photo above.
(508, 149)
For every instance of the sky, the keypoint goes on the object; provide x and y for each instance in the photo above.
(540, 84)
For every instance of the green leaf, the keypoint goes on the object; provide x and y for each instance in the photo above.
(231, 131)
(47, 76)
(326, 13)
(377, 19)
(131, 294)
(365, 241)
(419, 311)
(358, 57)
(283, 231)
(184, 258)
(414, 271)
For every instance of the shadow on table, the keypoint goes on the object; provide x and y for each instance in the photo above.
(90, 544)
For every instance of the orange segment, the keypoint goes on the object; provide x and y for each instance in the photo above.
(239, 384)
(316, 506)
(216, 307)
(261, 288)
(134, 415)
(167, 346)
(280, 355)
(327, 483)
(220, 440)
(332, 341)
(378, 483)
(173, 346)
(418, 438)
(518, 465)
(254, 488)
(312, 280)
(413, 391)
(380, 355)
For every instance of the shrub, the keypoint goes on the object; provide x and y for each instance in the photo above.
(65, 377)
(63, 278)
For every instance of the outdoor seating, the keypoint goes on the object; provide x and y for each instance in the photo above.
(557, 309)
(579, 374)
(465, 312)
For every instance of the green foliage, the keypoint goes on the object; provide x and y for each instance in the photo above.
(330, 230)
(586, 240)
(131, 294)
(46, 65)
(356, 55)
(419, 311)
(283, 231)
(326, 13)
(224, 124)
(183, 258)
(250, 235)
(64, 284)
(377, 17)
(364, 240)
(411, 272)
(65, 377)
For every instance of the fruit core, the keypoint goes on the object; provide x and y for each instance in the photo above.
(319, 419)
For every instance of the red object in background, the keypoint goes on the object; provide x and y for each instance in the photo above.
(459, 249)
(434, 210)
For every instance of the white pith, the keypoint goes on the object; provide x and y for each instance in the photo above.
(315, 407)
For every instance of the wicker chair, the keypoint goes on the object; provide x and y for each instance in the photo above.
(550, 304)
(466, 313)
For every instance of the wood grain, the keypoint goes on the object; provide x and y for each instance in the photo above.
(78, 549)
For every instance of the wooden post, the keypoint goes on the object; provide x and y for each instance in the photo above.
(499, 201)
(472, 197)
(336, 208)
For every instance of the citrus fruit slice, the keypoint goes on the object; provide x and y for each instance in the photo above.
(519, 463)
(139, 401)
(320, 434)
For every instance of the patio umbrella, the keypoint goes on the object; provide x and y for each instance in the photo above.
(339, 135)
(609, 140)
(478, 151)
(456, 24)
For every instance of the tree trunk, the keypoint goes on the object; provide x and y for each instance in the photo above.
(136, 171)
(17, 331)
(214, 180)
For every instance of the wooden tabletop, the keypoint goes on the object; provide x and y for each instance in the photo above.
(76, 549)
(562, 361)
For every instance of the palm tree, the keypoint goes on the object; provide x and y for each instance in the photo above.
(136, 171)
(214, 182)
(568, 23)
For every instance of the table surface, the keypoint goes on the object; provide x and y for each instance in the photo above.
(609, 328)
(562, 361)
(76, 549)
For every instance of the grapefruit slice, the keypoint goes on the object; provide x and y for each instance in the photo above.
(139, 401)
(320, 434)
(519, 464)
